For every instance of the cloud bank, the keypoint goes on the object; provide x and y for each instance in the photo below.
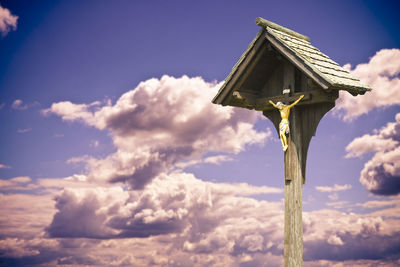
(381, 73)
(180, 220)
(8, 22)
(137, 207)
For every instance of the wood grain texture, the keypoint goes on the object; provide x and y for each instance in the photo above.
(293, 231)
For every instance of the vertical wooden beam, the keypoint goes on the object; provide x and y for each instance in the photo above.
(303, 122)
(293, 233)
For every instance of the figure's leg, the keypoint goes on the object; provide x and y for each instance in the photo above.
(281, 136)
(284, 140)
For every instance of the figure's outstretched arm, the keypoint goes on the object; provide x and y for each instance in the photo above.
(272, 103)
(297, 101)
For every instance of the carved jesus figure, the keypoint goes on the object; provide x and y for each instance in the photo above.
(284, 124)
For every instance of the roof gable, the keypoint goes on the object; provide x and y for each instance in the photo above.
(296, 48)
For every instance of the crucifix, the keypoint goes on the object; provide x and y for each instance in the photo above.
(284, 109)
(294, 85)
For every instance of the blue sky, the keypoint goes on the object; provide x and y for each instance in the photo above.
(106, 104)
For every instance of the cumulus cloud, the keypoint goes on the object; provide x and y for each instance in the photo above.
(160, 123)
(381, 174)
(332, 235)
(195, 218)
(168, 205)
(8, 22)
(381, 73)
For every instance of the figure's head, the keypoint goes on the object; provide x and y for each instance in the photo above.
(279, 104)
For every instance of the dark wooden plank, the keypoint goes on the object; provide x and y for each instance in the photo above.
(310, 98)
(265, 23)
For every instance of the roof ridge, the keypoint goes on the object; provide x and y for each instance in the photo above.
(265, 23)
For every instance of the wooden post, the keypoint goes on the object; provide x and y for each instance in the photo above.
(293, 233)
(303, 122)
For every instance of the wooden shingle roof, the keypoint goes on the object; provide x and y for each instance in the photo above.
(306, 57)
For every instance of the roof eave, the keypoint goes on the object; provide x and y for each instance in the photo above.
(354, 90)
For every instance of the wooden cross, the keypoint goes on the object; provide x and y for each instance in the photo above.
(280, 65)
(304, 119)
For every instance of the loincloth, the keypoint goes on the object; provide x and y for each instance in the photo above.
(282, 126)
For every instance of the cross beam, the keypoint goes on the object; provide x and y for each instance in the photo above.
(253, 101)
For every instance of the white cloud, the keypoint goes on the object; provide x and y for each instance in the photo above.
(94, 143)
(8, 22)
(69, 111)
(2, 166)
(382, 74)
(369, 143)
(160, 123)
(381, 174)
(334, 196)
(58, 135)
(18, 104)
(17, 183)
(334, 188)
(217, 159)
(25, 130)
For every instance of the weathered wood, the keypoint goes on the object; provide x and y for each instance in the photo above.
(293, 232)
(254, 101)
(248, 99)
(265, 23)
(309, 113)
